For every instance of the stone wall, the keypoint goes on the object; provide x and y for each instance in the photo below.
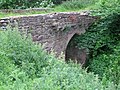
(53, 30)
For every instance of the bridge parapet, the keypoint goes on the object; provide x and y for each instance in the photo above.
(53, 30)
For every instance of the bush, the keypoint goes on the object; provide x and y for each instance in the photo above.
(23, 52)
(101, 36)
(25, 66)
(107, 7)
(107, 65)
(23, 4)
(102, 40)
(57, 2)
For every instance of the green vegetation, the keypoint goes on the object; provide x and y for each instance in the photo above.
(74, 5)
(22, 4)
(69, 5)
(107, 65)
(102, 41)
(4, 15)
(25, 66)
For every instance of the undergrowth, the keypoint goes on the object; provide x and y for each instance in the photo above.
(24, 65)
(102, 41)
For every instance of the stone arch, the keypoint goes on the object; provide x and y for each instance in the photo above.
(54, 31)
(73, 53)
(62, 39)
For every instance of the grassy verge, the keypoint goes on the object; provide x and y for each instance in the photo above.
(3, 15)
(68, 6)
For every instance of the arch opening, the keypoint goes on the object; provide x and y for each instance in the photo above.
(74, 53)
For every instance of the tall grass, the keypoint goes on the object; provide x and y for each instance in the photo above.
(75, 5)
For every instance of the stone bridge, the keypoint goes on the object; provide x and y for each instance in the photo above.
(55, 30)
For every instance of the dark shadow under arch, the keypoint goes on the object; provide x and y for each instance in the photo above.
(74, 53)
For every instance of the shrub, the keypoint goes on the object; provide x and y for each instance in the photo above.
(23, 52)
(56, 2)
(107, 65)
(22, 4)
(30, 68)
(101, 40)
(109, 7)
